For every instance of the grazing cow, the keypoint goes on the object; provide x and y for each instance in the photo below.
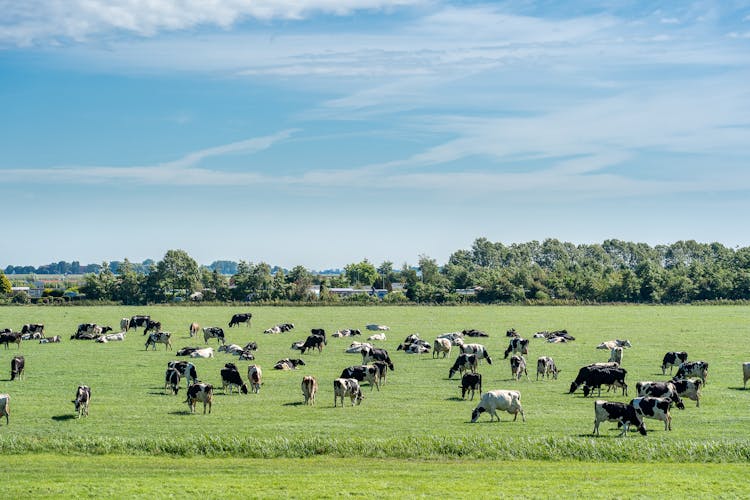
(5, 407)
(660, 390)
(194, 328)
(10, 338)
(309, 388)
(592, 376)
(159, 338)
(382, 368)
(213, 332)
(471, 382)
(689, 388)
(288, 364)
(441, 345)
(255, 376)
(186, 369)
(475, 333)
(240, 318)
(625, 414)
(377, 336)
(200, 392)
(374, 327)
(347, 387)
(17, 365)
(693, 369)
(124, 324)
(745, 374)
(313, 342)
(518, 367)
(50, 340)
(230, 377)
(517, 345)
(545, 366)
(611, 344)
(499, 399)
(362, 373)
(356, 347)
(464, 362)
(513, 333)
(206, 352)
(152, 326)
(376, 354)
(33, 328)
(656, 408)
(671, 359)
(137, 321)
(83, 397)
(172, 380)
(615, 355)
(477, 349)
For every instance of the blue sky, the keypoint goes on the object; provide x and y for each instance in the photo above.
(322, 132)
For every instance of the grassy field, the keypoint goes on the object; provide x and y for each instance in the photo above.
(418, 414)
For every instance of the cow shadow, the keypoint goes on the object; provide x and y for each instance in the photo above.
(181, 412)
(737, 388)
(63, 418)
(294, 403)
(454, 398)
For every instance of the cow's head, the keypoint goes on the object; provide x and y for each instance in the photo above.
(477, 411)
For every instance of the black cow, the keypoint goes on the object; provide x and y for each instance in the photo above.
(671, 359)
(85, 328)
(471, 382)
(137, 321)
(593, 376)
(517, 345)
(320, 333)
(152, 326)
(240, 318)
(376, 354)
(81, 402)
(17, 365)
(10, 338)
(231, 377)
(464, 362)
(625, 414)
(361, 373)
(313, 342)
(474, 333)
(172, 380)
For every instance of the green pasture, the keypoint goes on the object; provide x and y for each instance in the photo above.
(418, 414)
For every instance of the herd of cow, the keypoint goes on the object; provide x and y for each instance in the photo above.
(654, 399)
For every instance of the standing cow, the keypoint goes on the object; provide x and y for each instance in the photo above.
(17, 365)
(200, 392)
(309, 389)
(347, 387)
(499, 399)
(240, 318)
(81, 402)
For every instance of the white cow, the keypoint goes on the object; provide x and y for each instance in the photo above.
(255, 375)
(454, 337)
(374, 327)
(356, 347)
(125, 324)
(745, 374)
(377, 336)
(441, 345)
(502, 400)
(611, 344)
(347, 387)
(615, 355)
(206, 352)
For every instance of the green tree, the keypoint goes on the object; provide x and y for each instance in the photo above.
(177, 274)
(128, 288)
(362, 273)
(5, 286)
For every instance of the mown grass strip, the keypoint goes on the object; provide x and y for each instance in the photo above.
(437, 447)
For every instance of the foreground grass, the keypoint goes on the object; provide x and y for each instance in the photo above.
(117, 476)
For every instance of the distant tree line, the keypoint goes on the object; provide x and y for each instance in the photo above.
(489, 272)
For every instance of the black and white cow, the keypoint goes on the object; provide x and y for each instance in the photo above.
(376, 354)
(611, 344)
(81, 402)
(186, 351)
(17, 364)
(477, 349)
(151, 325)
(464, 362)
(136, 321)
(745, 374)
(471, 382)
(518, 367)
(592, 376)
(186, 369)
(624, 414)
(5, 407)
(33, 328)
(288, 364)
(172, 380)
(124, 324)
(671, 359)
(213, 332)
(499, 399)
(660, 390)
(230, 377)
(50, 340)
(10, 338)
(517, 345)
(200, 392)
(347, 387)
(697, 369)
(159, 338)
(545, 366)
(656, 408)
(363, 373)
(474, 333)
(240, 318)
(615, 355)
(382, 368)
(689, 388)
(255, 376)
